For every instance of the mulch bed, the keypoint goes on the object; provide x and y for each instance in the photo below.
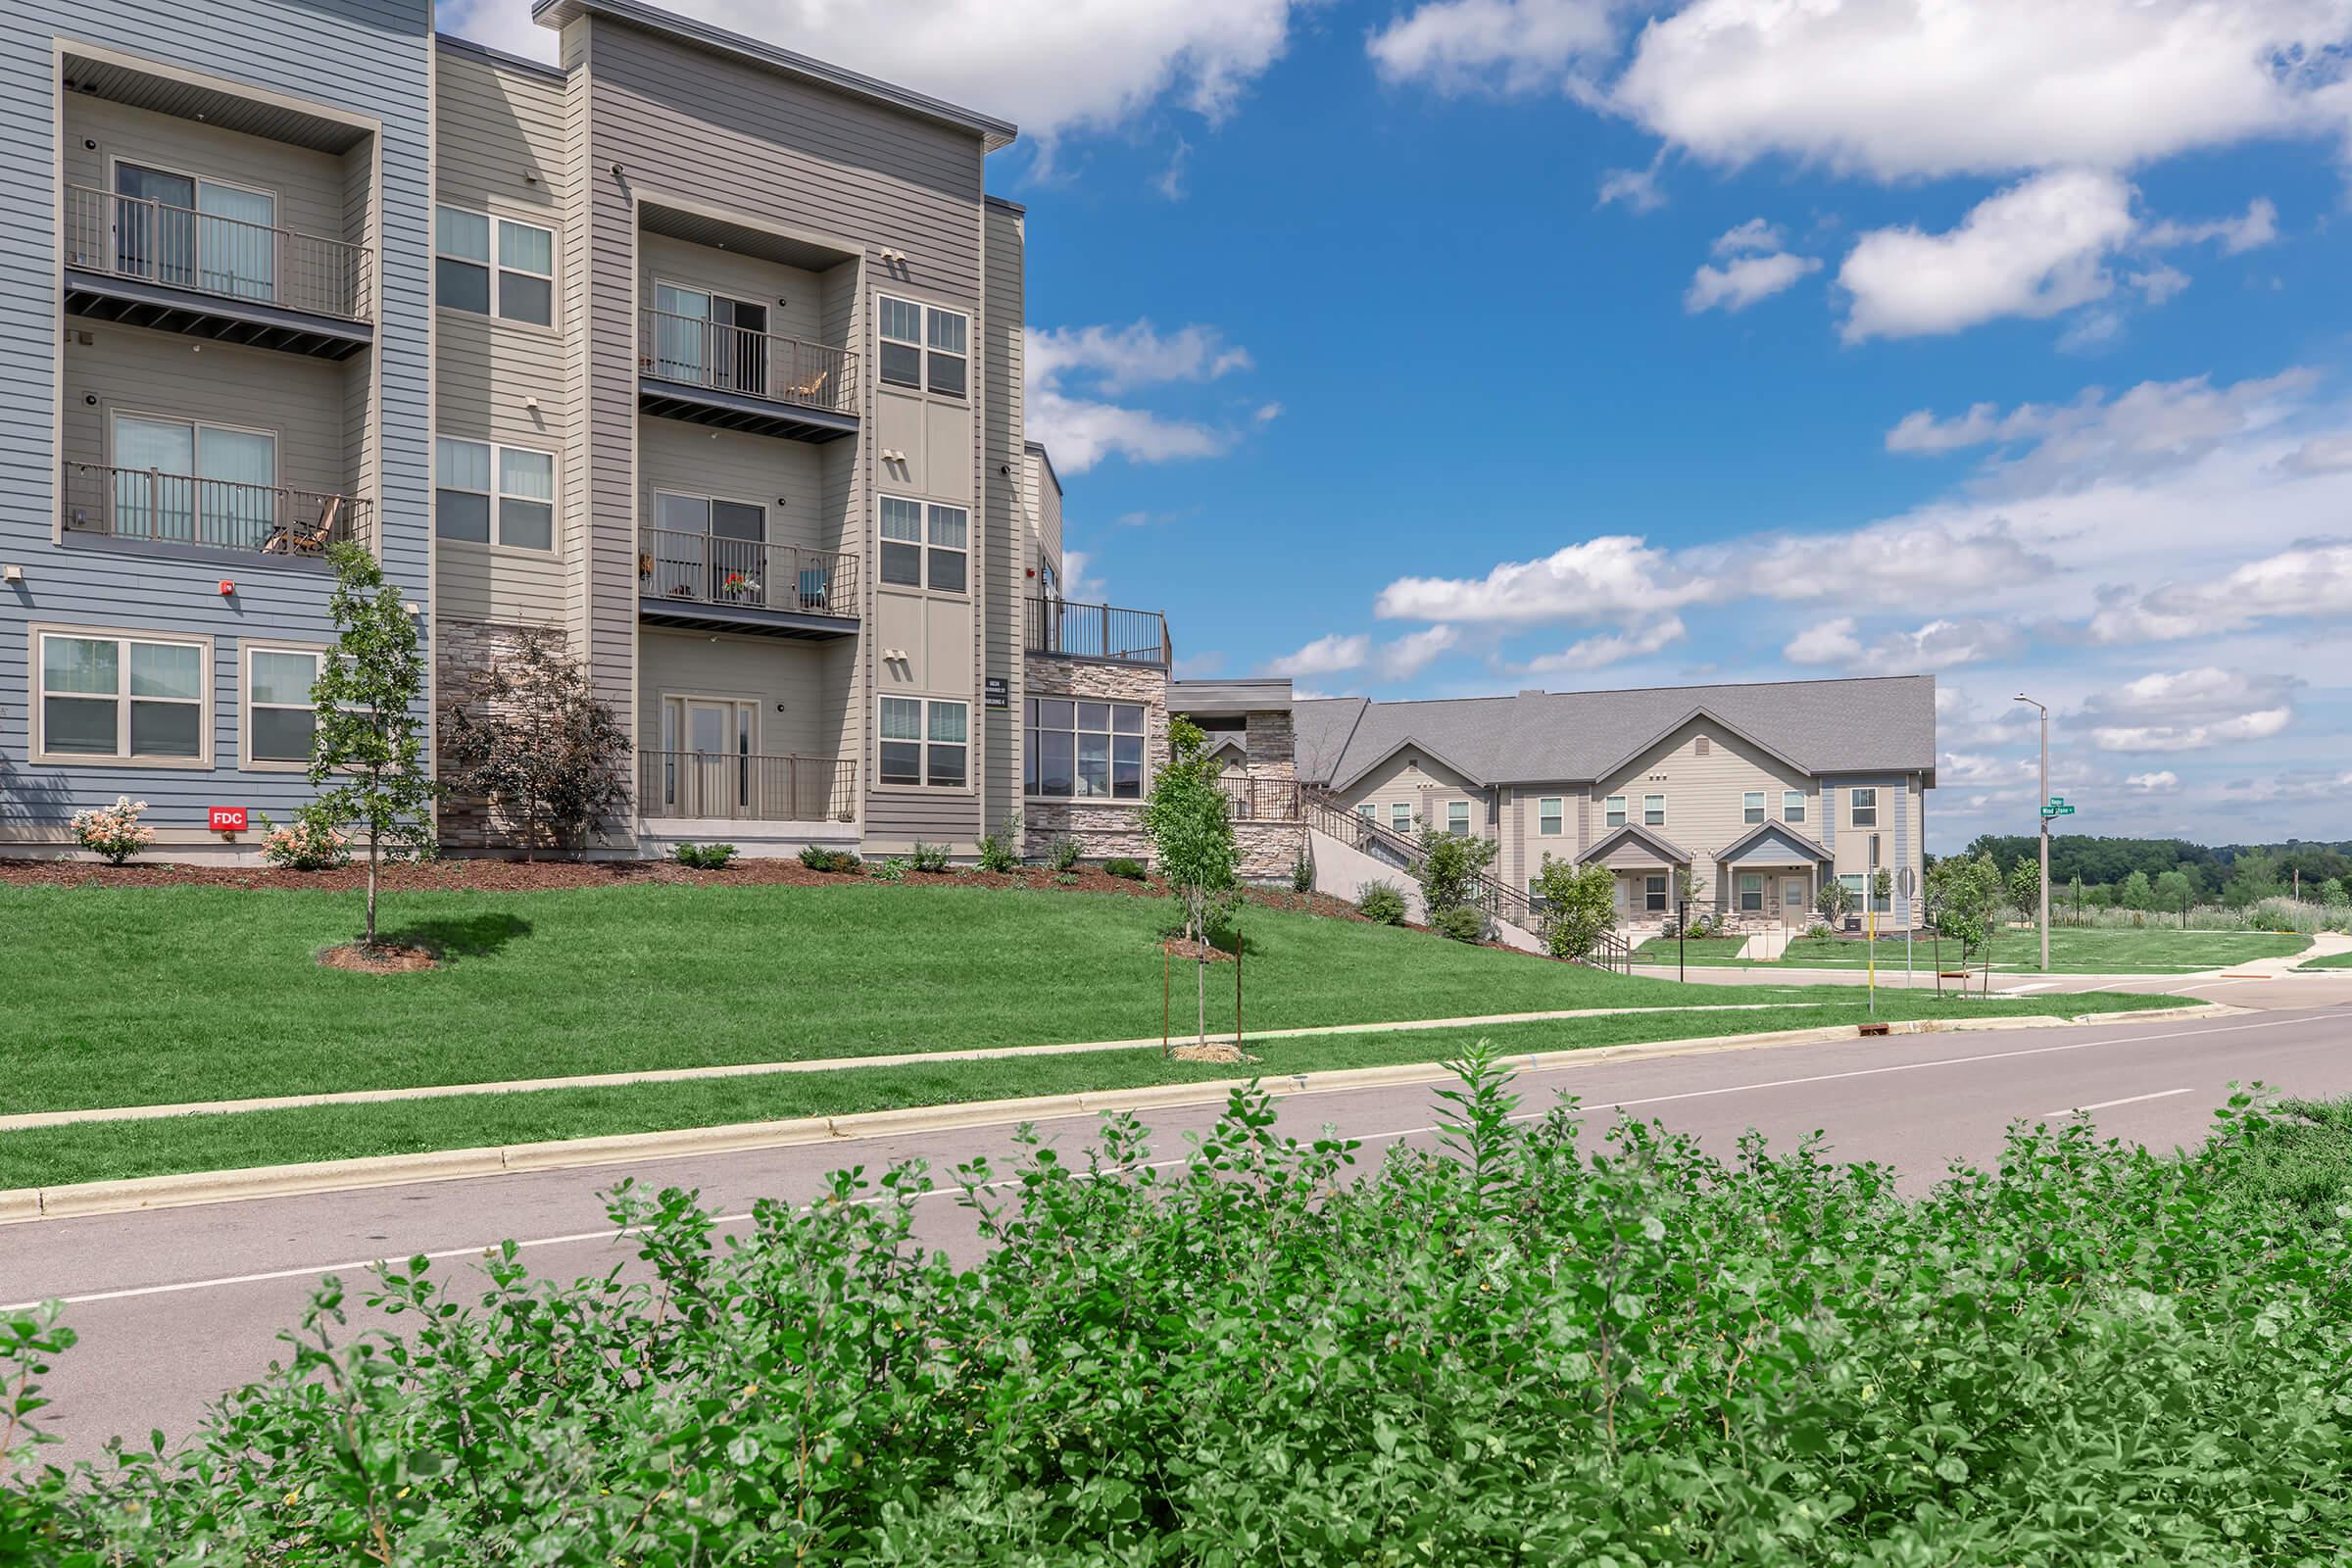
(1188, 951)
(385, 958)
(482, 874)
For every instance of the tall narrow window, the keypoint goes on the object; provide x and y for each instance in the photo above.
(1400, 818)
(1751, 806)
(280, 717)
(951, 527)
(1653, 810)
(1549, 815)
(1793, 806)
(1865, 807)
(1613, 812)
(1457, 818)
(946, 334)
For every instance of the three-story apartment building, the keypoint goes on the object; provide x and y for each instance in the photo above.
(215, 360)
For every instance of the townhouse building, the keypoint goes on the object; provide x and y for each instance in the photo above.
(1758, 794)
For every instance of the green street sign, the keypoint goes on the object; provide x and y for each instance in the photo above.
(2061, 809)
(2057, 800)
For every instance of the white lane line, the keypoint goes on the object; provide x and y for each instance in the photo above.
(2106, 1104)
(312, 1271)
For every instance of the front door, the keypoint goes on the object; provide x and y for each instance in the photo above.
(707, 772)
(1795, 904)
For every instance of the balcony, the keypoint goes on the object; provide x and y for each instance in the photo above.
(707, 583)
(151, 507)
(175, 270)
(739, 787)
(736, 379)
(1250, 798)
(1100, 632)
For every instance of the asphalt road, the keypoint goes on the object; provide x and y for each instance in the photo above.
(178, 1305)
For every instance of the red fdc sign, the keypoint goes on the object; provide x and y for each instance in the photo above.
(227, 818)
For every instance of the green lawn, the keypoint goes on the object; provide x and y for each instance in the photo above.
(2072, 951)
(85, 1152)
(2333, 961)
(1694, 950)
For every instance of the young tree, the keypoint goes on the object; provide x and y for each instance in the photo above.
(2173, 892)
(1835, 900)
(1451, 865)
(2025, 888)
(530, 736)
(1578, 906)
(2253, 878)
(1190, 828)
(370, 736)
(2137, 893)
(1966, 895)
(2332, 893)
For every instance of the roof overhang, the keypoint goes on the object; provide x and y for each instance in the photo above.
(993, 132)
(1713, 717)
(1665, 848)
(1754, 846)
(1229, 698)
(1410, 743)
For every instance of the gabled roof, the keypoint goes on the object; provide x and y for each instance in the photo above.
(1883, 724)
(992, 132)
(1664, 848)
(1773, 830)
(1409, 743)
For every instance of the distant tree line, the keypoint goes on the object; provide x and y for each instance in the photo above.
(2158, 873)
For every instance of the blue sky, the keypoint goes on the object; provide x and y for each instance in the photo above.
(1455, 347)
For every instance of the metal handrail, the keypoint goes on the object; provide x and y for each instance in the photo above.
(155, 242)
(747, 787)
(1098, 631)
(1253, 799)
(1495, 898)
(708, 570)
(695, 352)
(183, 508)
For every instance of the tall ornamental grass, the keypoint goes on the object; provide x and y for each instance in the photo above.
(1526, 1346)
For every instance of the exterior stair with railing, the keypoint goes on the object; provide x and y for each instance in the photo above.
(1347, 849)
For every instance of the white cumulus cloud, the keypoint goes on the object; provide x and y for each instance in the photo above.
(1414, 651)
(1756, 268)
(2190, 709)
(1079, 381)
(1608, 648)
(1325, 656)
(2164, 781)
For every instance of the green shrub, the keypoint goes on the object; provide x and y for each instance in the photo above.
(1062, 854)
(894, 869)
(311, 842)
(1382, 903)
(1302, 875)
(1463, 922)
(1000, 850)
(818, 858)
(930, 858)
(1125, 867)
(1515, 1347)
(704, 856)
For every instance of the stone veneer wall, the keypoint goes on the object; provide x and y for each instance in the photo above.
(1102, 829)
(466, 650)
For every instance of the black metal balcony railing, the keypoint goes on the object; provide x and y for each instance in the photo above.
(693, 352)
(131, 236)
(182, 508)
(699, 568)
(747, 788)
(1098, 631)
(1261, 800)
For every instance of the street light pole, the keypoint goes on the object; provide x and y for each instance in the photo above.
(2045, 827)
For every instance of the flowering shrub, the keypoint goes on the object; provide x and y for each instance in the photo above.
(113, 831)
(309, 842)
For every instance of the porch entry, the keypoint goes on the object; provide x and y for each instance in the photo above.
(708, 742)
(1782, 894)
(1644, 895)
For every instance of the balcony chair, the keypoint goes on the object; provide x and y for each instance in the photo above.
(291, 539)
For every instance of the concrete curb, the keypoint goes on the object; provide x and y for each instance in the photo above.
(84, 1198)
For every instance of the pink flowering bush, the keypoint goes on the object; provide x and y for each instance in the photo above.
(309, 842)
(113, 831)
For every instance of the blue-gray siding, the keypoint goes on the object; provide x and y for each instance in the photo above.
(364, 56)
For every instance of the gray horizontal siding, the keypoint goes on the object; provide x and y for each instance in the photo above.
(367, 57)
(936, 818)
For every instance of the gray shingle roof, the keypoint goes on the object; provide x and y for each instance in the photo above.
(1877, 724)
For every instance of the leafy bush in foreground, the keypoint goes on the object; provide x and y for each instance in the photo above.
(1518, 1349)
(1381, 902)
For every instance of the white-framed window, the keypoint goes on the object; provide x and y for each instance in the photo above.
(1793, 806)
(1857, 886)
(1653, 894)
(123, 697)
(926, 545)
(1548, 817)
(494, 267)
(1752, 891)
(1865, 807)
(1457, 818)
(489, 493)
(1369, 812)
(191, 481)
(1085, 750)
(924, 346)
(1751, 806)
(1400, 818)
(1612, 812)
(1653, 810)
(281, 716)
(1534, 894)
(925, 740)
